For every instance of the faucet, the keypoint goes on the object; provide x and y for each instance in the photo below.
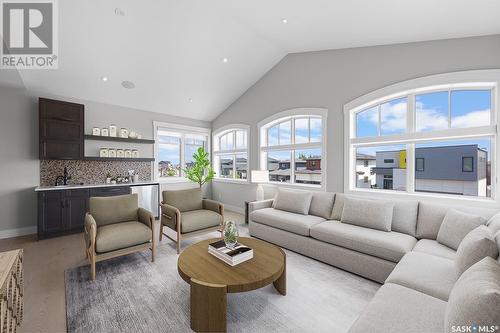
(65, 177)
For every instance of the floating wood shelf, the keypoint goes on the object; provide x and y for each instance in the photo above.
(117, 139)
(118, 159)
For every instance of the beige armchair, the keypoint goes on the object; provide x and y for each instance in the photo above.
(186, 213)
(116, 226)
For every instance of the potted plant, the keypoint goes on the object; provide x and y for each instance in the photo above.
(201, 172)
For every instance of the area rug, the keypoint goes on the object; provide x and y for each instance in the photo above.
(132, 294)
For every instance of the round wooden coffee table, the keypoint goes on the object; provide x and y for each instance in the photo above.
(211, 279)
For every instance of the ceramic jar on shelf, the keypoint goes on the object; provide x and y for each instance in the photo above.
(123, 133)
(104, 152)
(112, 131)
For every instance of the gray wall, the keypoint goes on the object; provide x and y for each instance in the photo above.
(330, 79)
(19, 165)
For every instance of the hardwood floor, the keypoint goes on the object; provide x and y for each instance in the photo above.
(44, 264)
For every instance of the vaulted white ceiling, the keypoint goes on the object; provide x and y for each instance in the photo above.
(173, 49)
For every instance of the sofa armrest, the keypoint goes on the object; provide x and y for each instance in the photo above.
(90, 232)
(170, 216)
(146, 217)
(255, 205)
(213, 205)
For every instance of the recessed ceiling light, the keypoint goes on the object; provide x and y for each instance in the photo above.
(190, 100)
(119, 12)
(284, 20)
(104, 78)
(224, 60)
(128, 84)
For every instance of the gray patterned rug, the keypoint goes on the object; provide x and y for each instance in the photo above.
(131, 294)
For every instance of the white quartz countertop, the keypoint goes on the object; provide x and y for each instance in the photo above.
(79, 186)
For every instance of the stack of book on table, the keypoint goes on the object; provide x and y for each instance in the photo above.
(232, 257)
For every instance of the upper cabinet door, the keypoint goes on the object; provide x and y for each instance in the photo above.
(61, 129)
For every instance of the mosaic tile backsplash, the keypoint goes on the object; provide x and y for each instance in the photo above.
(90, 172)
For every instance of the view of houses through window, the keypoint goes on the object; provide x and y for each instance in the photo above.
(231, 154)
(292, 149)
(175, 151)
(440, 165)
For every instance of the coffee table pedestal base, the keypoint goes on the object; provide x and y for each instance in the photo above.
(208, 307)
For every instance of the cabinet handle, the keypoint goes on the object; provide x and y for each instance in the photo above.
(63, 119)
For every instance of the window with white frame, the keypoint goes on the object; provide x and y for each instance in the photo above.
(231, 153)
(292, 147)
(175, 146)
(429, 140)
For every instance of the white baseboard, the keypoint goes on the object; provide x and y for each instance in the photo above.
(9, 233)
(235, 209)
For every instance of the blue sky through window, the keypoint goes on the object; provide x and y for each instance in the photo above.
(367, 122)
(169, 152)
(431, 111)
(470, 108)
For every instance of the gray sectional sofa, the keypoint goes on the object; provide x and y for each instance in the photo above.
(409, 246)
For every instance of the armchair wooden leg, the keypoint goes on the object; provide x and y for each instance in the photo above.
(92, 268)
(178, 243)
(161, 232)
(153, 242)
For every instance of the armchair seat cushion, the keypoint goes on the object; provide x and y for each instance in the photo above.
(200, 219)
(117, 236)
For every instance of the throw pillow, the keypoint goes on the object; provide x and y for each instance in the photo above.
(494, 223)
(475, 297)
(456, 225)
(477, 245)
(374, 214)
(322, 204)
(338, 207)
(293, 201)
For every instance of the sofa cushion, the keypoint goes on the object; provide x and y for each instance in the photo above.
(194, 220)
(386, 245)
(296, 223)
(396, 309)
(293, 201)
(477, 245)
(456, 225)
(475, 298)
(429, 274)
(322, 204)
(338, 207)
(497, 239)
(374, 214)
(494, 223)
(404, 217)
(184, 200)
(121, 235)
(431, 215)
(431, 246)
(109, 210)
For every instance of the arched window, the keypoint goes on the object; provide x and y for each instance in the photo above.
(427, 136)
(293, 147)
(231, 153)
